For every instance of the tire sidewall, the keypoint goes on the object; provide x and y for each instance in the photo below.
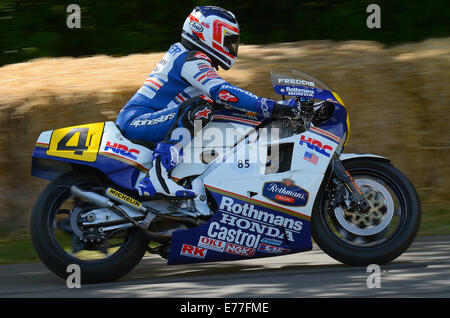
(109, 269)
(386, 251)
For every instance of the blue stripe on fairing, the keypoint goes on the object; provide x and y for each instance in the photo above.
(323, 136)
(337, 124)
(123, 174)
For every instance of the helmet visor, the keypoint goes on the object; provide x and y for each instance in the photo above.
(231, 43)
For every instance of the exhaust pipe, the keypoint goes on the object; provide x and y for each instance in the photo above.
(95, 198)
(103, 202)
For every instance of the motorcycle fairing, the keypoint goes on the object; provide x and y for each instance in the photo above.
(107, 150)
(241, 229)
(281, 224)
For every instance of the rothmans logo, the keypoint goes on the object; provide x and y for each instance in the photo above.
(285, 192)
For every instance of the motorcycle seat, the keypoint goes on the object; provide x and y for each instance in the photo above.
(148, 144)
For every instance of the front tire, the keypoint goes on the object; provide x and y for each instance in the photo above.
(53, 245)
(378, 238)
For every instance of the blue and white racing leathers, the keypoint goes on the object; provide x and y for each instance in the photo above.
(180, 75)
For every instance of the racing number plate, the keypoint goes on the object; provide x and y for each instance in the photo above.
(77, 142)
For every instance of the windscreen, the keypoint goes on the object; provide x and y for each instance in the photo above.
(297, 83)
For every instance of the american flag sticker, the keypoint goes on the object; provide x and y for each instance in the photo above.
(309, 156)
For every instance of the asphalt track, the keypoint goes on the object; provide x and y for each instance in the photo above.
(422, 271)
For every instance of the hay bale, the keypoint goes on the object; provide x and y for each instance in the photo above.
(397, 98)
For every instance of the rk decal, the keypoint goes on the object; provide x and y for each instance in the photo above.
(193, 251)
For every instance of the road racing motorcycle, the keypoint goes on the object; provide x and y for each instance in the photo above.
(358, 208)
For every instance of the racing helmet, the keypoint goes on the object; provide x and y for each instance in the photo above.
(215, 32)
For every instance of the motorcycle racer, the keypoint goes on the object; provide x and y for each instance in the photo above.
(183, 87)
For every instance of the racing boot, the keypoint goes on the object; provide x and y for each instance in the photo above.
(165, 157)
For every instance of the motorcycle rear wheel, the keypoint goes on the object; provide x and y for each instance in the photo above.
(381, 235)
(53, 245)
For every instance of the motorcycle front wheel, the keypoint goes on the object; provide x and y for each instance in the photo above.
(378, 236)
(100, 259)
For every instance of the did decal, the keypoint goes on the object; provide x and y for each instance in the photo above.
(285, 192)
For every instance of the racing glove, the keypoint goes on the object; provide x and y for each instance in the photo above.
(286, 109)
(292, 108)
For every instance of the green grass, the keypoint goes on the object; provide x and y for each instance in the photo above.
(435, 220)
(16, 249)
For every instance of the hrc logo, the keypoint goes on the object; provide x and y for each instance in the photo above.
(316, 145)
(122, 150)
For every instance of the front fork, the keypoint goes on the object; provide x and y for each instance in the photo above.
(357, 197)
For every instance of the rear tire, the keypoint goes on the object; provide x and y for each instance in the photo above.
(357, 245)
(53, 255)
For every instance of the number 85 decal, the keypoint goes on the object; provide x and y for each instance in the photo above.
(77, 142)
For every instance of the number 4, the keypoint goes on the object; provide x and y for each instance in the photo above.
(81, 145)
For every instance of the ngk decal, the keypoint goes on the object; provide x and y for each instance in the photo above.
(239, 250)
(193, 251)
(211, 244)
